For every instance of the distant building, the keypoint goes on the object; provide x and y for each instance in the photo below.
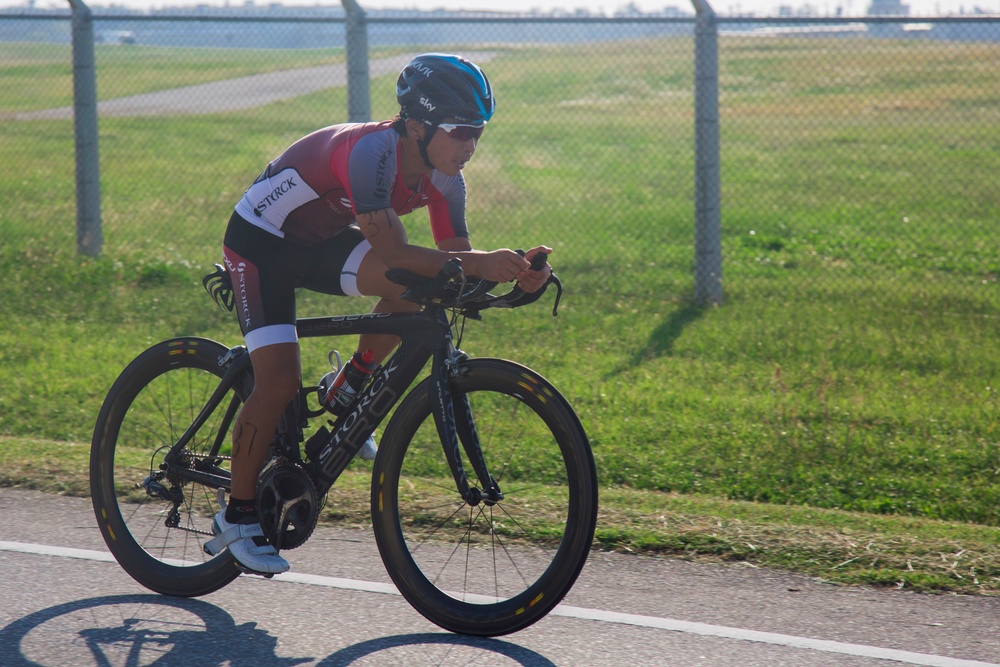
(888, 8)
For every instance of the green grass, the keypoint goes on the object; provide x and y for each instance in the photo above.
(837, 415)
(832, 545)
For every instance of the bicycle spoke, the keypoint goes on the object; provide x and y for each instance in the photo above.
(156, 531)
(498, 566)
(429, 537)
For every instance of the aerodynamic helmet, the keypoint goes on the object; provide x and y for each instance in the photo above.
(436, 86)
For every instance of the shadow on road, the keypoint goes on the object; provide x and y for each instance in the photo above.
(450, 649)
(147, 630)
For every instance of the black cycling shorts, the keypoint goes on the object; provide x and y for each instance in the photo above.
(266, 270)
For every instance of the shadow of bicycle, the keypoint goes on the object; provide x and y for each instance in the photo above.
(431, 648)
(136, 631)
(152, 630)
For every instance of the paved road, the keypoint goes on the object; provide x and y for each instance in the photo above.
(236, 94)
(66, 603)
(228, 95)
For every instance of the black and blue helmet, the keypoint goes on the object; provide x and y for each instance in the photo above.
(436, 86)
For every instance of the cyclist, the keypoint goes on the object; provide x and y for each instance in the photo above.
(325, 216)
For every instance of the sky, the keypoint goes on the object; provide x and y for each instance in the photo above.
(759, 7)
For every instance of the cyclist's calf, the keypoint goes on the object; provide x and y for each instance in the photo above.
(276, 382)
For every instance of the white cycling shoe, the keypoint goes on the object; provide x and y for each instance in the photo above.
(369, 449)
(247, 544)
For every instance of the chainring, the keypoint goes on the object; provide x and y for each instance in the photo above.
(288, 505)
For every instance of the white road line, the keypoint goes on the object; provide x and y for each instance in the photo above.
(708, 630)
(703, 629)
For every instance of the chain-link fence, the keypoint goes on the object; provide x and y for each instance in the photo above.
(857, 156)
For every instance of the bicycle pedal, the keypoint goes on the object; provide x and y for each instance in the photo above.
(246, 570)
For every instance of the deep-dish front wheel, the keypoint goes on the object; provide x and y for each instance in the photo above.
(154, 523)
(488, 569)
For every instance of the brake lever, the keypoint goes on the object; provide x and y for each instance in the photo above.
(518, 297)
(481, 291)
(538, 261)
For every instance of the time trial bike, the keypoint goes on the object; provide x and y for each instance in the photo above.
(483, 494)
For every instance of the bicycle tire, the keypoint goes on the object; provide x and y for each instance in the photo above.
(148, 407)
(500, 568)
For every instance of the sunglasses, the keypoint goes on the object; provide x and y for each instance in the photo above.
(461, 131)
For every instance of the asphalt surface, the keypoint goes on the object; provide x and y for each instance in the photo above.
(236, 94)
(67, 603)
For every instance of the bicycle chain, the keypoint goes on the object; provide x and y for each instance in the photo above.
(173, 518)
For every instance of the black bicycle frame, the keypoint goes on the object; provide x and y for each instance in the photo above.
(424, 335)
(237, 362)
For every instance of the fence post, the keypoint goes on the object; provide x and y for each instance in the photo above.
(359, 108)
(88, 167)
(708, 221)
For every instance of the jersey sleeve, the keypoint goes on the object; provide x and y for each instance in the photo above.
(447, 207)
(371, 170)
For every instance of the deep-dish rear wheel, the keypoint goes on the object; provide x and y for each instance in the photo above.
(487, 569)
(155, 523)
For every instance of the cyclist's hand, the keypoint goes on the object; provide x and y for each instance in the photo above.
(531, 280)
(500, 266)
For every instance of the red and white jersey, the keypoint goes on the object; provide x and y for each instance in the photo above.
(322, 182)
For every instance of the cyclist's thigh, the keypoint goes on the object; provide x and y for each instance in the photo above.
(372, 281)
(347, 267)
(264, 270)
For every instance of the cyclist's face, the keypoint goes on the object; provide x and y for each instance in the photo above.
(449, 153)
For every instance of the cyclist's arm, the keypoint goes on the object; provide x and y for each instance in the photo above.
(455, 244)
(529, 280)
(385, 232)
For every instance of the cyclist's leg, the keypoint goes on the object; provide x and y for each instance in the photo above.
(371, 281)
(264, 269)
(351, 268)
(276, 379)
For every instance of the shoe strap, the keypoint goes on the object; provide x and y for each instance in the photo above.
(235, 532)
(263, 550)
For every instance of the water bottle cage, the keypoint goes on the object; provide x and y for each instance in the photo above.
(341, 397)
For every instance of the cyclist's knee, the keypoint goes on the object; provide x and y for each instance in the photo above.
(277, 387)
(371, 279)
(276, 372)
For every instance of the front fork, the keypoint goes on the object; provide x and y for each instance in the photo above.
(455, 423)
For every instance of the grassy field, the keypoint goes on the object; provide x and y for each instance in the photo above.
(837, 415)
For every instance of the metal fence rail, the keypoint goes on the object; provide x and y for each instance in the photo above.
(847, 148)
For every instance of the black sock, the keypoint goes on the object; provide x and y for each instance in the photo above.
(241, 511)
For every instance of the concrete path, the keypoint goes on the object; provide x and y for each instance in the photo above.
(228, 95)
